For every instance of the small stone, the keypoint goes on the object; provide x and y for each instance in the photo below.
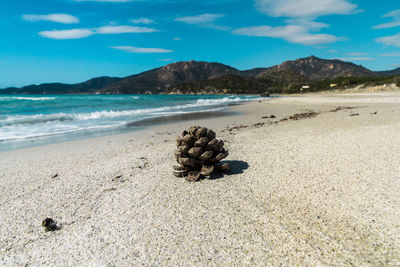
(50, 225)
(269, 117)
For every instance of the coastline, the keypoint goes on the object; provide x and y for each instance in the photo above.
(85, 118)
(320, 190)
(141, 125)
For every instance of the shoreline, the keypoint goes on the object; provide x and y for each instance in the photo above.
(308, 190)
(11, 145)
(207, 110)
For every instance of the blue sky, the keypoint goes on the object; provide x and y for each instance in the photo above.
(74, 40)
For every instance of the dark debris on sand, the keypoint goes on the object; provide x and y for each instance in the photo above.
(50, 225)
(294, 117)
(341, 108)
(300, 116)
(269, 117)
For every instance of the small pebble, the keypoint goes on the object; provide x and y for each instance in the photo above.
(50, 225)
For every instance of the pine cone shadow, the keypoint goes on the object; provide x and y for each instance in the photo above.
(237, 167)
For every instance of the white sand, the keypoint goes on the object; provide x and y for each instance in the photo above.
(324, 190)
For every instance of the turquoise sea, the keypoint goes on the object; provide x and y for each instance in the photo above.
(27, 120)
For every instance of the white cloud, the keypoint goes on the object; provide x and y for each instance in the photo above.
(304, 8)
(84, 32)
(123, 29)
(204, 20)
(177, 38)
(395, 54)
(300, 18)
(387, 25)
(393, 40)
(200, 19)
(165, 59)
(356, 58)
(333, 51)
(356, 54)
(395, 15)
(202, 2)
(291, 33)
(67, 34)
(61, 18)
(307, 23)
(110, 1)
(133, 49)
(215, 27)
(142, 21)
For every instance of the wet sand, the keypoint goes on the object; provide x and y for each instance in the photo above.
(323, 189)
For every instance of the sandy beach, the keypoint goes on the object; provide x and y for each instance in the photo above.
(321, 190)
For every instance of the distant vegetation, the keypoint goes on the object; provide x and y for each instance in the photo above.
(285, 82)
(349, 82)
(226, 84)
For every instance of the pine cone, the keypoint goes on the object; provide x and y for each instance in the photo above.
(199, 153)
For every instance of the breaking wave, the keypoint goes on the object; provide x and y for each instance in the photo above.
(26, 98)
(61, 117)
(70, 114)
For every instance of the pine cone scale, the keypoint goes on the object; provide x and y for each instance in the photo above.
(207, 169)
(206, 155)
(195, 152)
(201, 142)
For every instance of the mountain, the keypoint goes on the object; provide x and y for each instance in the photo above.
(198, 76)
(253, 72)
(226, 84)
(281, 77)
(157, 80)
(96, 83)
(88, 87)
(315, 68)
(389, 72)
(272, 82)
(45, 88)
(203, 75)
